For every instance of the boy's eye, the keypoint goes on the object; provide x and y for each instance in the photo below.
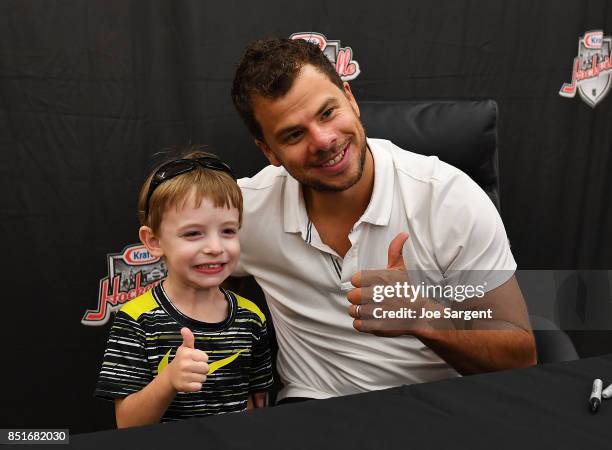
(230, 231)
(191, 233)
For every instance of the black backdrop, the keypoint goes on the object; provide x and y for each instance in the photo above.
(91, 90)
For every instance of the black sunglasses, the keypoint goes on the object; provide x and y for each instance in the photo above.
(178, 167)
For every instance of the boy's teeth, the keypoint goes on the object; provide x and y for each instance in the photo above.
(336, 160)
(210, 266)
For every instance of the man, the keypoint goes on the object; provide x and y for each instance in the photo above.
(330, 205)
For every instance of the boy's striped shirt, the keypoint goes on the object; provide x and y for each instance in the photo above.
(146, 334)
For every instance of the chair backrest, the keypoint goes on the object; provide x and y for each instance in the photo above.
(462, 133)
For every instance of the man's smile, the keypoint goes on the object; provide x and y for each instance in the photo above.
(338, 161)
(335, 160)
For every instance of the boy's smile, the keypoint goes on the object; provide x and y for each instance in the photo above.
(210, 268)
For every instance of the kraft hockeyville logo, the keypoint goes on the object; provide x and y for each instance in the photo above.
(131, 273)
(340, 57)
(592, 69)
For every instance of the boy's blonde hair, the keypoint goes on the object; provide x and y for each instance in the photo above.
(215, 185)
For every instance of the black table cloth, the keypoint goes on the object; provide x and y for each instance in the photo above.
(544, 406)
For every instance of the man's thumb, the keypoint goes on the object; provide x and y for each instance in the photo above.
(395, 260)
(188, 339)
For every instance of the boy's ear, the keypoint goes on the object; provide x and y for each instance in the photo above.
(268, 153)
(148, 238)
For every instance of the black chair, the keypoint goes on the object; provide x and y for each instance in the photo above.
(462, 133)
(553, 344)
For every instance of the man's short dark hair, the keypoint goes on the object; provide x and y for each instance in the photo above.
(269, 67)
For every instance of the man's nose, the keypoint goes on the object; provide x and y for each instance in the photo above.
(322, 138)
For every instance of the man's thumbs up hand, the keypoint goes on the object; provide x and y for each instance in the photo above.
(366, 296)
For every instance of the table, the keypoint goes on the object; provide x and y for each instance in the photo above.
(544, 406)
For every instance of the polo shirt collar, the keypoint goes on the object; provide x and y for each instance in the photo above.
(378, 212)
(295, 218)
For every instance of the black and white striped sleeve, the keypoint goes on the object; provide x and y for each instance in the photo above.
(125, 368)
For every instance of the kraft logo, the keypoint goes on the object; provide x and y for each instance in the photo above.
(593, 39)
(136, 256)
(340, 57)
(313, 38)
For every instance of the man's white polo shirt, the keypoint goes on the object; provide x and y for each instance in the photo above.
(452, 225)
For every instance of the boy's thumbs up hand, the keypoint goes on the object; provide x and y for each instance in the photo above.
(187, 371)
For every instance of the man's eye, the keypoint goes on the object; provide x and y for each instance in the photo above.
(295, 136)
(327, 113)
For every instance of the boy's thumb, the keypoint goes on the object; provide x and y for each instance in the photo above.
(188, 339)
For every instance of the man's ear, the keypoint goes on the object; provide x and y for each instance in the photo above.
(148, 238)
(351, 98)
(268, 153)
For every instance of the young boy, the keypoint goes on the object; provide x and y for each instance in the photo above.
(188, 347)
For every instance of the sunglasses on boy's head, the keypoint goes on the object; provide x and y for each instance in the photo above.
(180, 166)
